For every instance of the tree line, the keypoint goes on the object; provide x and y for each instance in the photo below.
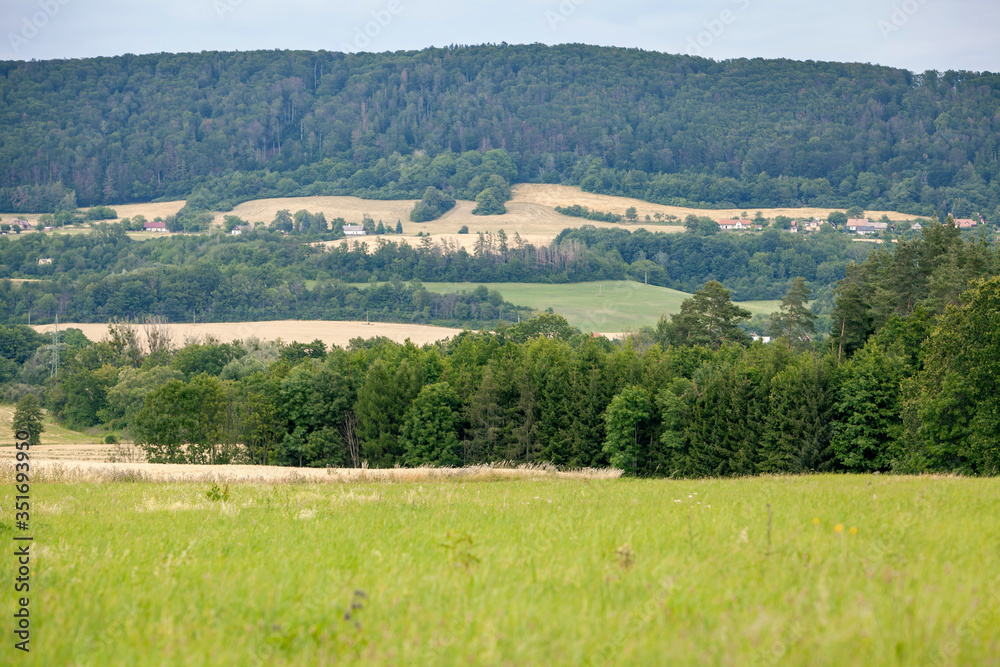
(263, 274)
(907, 382)
(221, 127)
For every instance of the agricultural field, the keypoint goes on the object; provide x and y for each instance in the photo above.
(567, 195)
(300, 331)
(530, 213)
(608, 306)
(486, 569)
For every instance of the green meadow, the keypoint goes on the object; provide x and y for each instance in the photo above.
(604, 306)
(811, 570)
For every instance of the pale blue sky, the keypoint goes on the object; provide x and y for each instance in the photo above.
(912, 34)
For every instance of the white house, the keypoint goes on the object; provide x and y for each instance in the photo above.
(354, 230)
(735, 225)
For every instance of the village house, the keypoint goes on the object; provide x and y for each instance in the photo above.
(735, 225)
(240, 229)
(354, 230)
(44, 260)
(154, 227)
(23, 225)
(965, 223)
(813, 225)
(862, 226)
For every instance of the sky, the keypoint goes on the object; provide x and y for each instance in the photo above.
(917, 35)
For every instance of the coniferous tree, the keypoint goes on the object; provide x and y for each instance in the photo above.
(429, 432)
(794, 321)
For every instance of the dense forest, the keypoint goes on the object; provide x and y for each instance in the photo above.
(908, 382)
(220, 128)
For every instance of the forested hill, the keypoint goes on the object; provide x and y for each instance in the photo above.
(673, 129)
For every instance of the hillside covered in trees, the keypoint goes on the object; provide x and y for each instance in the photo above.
(222, 128)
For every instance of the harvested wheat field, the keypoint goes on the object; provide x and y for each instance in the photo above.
(95, 470)
(148, 209)
(567, 195)
(337, 333)
(351, 209)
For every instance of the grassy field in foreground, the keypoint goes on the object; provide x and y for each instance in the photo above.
(605, 306)
(845, 570)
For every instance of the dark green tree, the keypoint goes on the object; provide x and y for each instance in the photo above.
(28, 417)
(708, 318)
(868, 410)
(794, 321)
(957, 394)
(627, 428)
(432, 206)
(430, 428)
(489, 202)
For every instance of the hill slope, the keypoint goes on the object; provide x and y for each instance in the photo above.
(671, 129)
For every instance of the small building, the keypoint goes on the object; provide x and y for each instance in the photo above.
(354, 230)
(917, 226)
(44, 260)
(23, 225)
(154, 227)
(965, 223)
(735, 225)
(240, 229)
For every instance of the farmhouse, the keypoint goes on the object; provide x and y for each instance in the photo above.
(154, 227)
(354, 230)
(44, 260)
(240, 229)
(735, 225)
(20, 224)
(965, 223)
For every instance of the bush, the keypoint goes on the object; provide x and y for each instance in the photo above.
(101, 213)
(433, 205)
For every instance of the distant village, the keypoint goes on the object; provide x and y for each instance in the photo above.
(860, 226)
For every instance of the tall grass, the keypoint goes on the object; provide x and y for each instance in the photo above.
(845, 570)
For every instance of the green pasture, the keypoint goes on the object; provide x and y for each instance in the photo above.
(604, 306)
(812, 570)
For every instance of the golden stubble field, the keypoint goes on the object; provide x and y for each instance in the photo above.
(300, 331)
